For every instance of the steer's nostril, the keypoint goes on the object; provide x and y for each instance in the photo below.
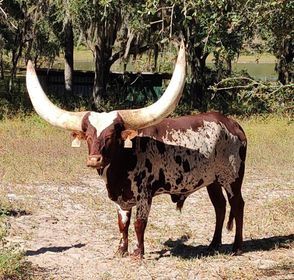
(99, 159)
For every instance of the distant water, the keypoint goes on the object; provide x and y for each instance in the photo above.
(259, 71)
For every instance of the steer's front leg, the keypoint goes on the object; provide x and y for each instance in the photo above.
(143, 209)
(124, 217)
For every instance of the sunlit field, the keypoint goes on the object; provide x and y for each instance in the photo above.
(33, 151)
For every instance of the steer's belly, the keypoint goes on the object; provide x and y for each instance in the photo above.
(185, 183)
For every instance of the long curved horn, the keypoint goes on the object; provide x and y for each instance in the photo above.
(46, 109)
(140, 118)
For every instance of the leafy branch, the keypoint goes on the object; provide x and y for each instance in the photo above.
(252, 83)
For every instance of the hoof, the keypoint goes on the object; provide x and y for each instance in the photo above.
(121, 252)
(214, 247)
(237, 252)
(137, 255)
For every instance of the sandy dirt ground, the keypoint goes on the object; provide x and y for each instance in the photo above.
(72, 233)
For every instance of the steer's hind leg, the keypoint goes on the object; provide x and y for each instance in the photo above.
(219, 203)
(237, 211)
(124, 218)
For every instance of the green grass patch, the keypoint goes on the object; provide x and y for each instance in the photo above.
(13, 264)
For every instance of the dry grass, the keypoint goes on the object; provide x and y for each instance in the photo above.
(24, 158)
(270, 147)
(32, 151)
(72, 234)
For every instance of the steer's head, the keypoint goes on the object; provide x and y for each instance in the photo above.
(103, 134)
(106, 132)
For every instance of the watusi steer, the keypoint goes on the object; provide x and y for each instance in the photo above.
(140, 153)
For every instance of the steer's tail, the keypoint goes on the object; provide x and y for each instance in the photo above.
(230, 222)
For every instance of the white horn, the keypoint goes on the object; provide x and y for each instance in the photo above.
(46, 109)
(140, 118)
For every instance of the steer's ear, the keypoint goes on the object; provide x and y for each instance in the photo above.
(78, 136)
(127, 135)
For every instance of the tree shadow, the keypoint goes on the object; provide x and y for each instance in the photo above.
(178, 248)
(14, 212)
(53, 249)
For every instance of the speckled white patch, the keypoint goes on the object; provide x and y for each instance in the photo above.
(192, 160)
(123, 213)
(102, 120)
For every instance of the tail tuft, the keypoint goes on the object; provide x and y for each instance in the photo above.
(180, 205)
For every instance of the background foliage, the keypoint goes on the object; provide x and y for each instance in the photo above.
(121, 30)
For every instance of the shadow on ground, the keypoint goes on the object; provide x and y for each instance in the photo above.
(14, 212)
(178, 247)
(53, 249)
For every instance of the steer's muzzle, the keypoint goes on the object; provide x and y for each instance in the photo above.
(94, 161)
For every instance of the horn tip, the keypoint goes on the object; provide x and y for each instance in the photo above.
(30, 66)
(182, 44)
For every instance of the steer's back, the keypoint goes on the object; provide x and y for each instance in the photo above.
(181, 155)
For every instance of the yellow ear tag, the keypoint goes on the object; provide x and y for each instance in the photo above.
(128, 143)
(76, 143)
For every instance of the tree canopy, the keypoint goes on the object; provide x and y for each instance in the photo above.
(117, 29)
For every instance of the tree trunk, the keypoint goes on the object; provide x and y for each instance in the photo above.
(229, 66)
(104, 33)
(284, 66)
(16, 54)
(68, 56)
(198, 84)
(102, 69)
(1, 66)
